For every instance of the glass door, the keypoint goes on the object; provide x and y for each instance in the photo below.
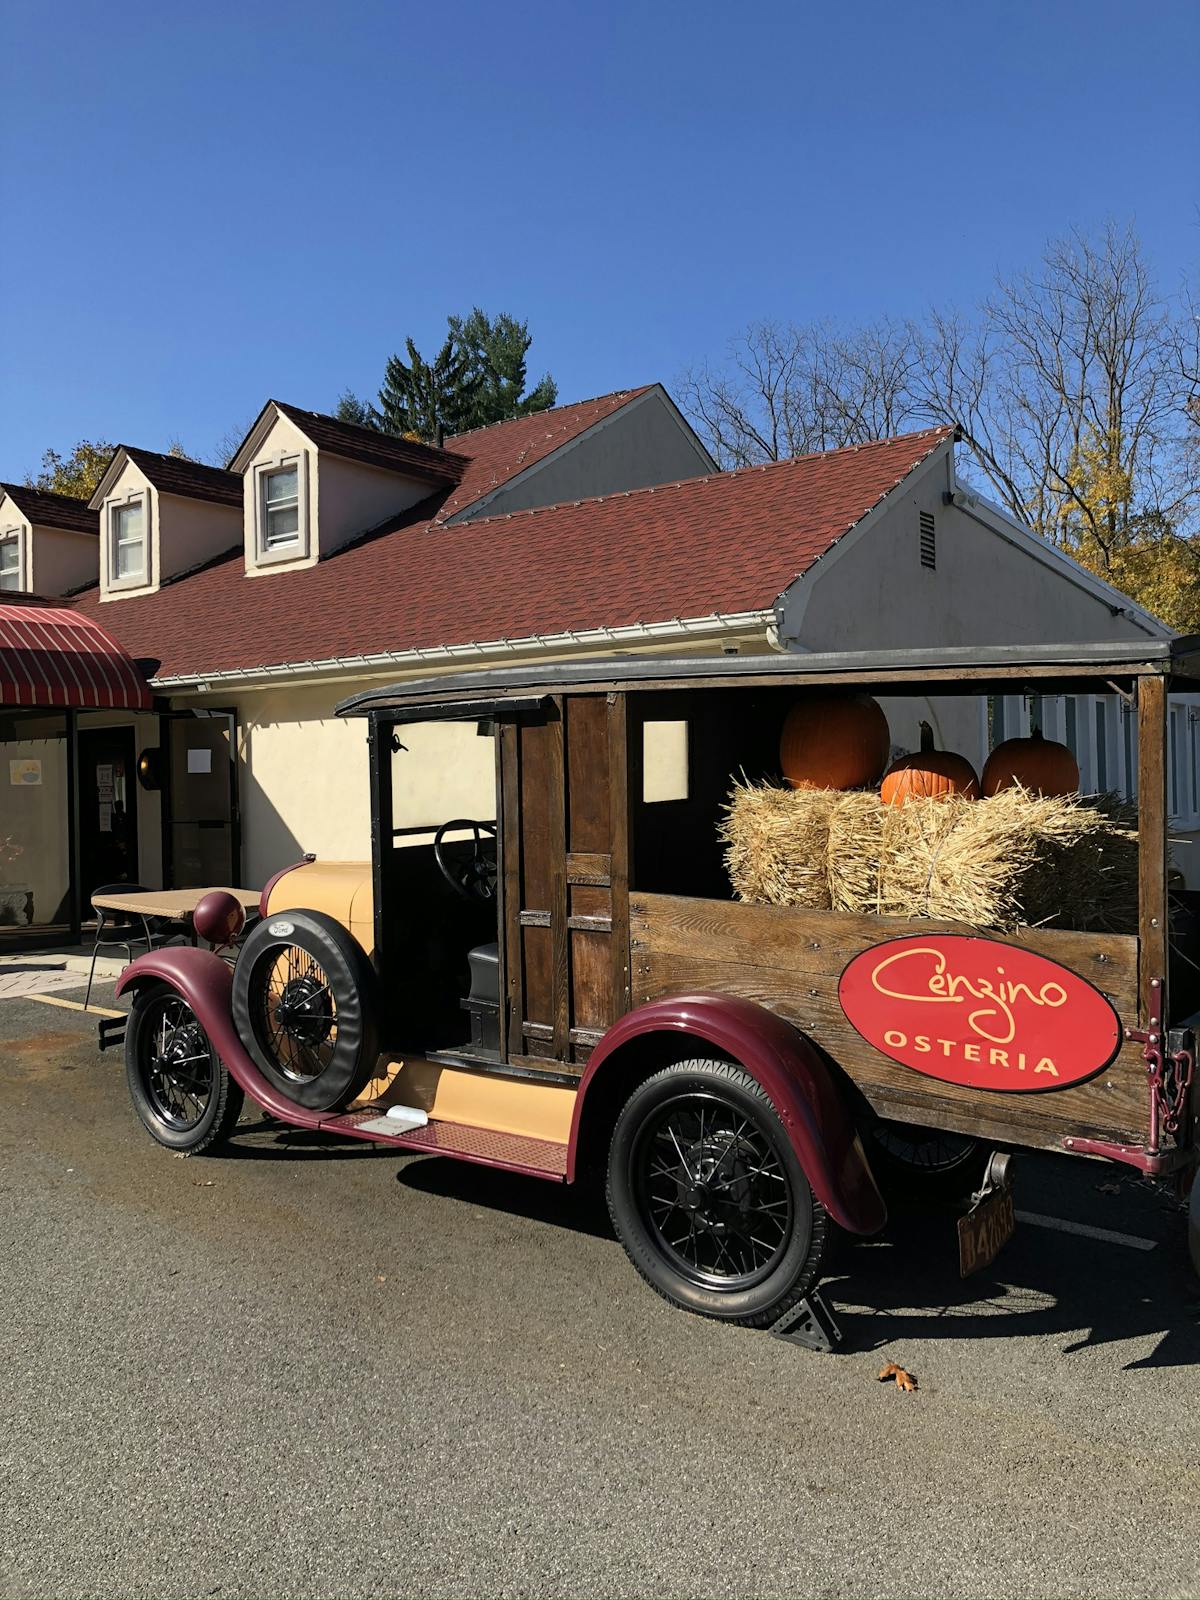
(201, 848)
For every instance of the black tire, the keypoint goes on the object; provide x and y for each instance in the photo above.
(181, 1091)
(304, 1001)
(726, 1266)
(927, 1163)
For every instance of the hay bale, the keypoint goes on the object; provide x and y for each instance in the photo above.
(777, 852)
(1008, 861)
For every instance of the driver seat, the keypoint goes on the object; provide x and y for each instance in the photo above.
(482, 1004)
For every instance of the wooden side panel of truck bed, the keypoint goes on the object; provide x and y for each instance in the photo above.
(790, 960)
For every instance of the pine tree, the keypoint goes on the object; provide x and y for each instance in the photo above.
(478, 377)
(351, 409)
(498, 348)
(429, 399)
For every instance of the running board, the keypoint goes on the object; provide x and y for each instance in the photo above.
(512, 1152)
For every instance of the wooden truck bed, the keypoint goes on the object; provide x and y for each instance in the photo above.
(790, 960)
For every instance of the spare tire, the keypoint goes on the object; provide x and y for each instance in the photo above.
(306, 1006)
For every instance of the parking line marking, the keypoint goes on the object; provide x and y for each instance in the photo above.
(1107, 1235)
(72, 1005)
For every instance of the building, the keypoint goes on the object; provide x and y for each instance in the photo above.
(329, 557)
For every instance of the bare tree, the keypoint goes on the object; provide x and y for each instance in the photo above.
(230, 441)
(787, 390)
(1075, 387)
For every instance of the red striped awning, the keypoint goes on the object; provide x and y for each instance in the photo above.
(54, 657)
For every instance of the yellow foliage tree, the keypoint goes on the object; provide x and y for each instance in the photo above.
(77, 474)
(1141, 554)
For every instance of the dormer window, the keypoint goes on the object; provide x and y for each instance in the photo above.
(281, 508)
(11, 575)
(128, 566)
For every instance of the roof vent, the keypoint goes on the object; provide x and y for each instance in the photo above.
(928, 541)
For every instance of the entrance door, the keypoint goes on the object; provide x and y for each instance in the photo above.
(566, 879)
(108, 838)
(200, 845)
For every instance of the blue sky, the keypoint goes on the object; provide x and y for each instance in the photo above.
(207, 205)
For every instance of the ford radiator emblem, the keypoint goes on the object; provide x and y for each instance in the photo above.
(281, 930)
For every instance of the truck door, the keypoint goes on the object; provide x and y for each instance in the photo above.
(565, 878)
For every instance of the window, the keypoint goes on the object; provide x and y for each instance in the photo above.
(128, 553)
(281, 508)
(11, 576)
(664, 761)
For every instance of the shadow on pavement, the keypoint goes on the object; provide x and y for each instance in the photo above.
(905, 1285)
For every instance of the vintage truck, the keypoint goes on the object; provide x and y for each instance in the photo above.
(544, 966)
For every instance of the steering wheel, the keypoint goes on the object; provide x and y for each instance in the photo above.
(475, 878)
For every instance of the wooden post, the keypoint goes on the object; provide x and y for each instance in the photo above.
(618, 811)
(512, 1016)
(1152, 837)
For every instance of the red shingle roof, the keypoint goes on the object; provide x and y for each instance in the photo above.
(194, 480)
(376, 449)
(728, 543)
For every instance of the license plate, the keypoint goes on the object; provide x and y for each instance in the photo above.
(985, 1229)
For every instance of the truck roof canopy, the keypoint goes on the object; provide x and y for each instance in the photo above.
(1079, 668)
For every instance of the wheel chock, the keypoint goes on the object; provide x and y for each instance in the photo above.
(809, 1323)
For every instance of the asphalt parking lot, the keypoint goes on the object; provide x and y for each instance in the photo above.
(308, 1368)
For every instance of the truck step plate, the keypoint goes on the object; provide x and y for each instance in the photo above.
(513, 1151)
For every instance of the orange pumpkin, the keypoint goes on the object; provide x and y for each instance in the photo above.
(1043, 766)
(834, 742)
(932, 774)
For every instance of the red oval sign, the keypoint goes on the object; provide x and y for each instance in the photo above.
(980, 1013)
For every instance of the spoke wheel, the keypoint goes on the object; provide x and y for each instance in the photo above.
(179, 1088)
(293, 1009)
(928, 1162)
(709, 1198)
(180, 1078)
(305, 1004)
(712, 1187)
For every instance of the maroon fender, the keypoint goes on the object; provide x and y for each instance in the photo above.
(795, 1079)
(265, 896)
(206, 983)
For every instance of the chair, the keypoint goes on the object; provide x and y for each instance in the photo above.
(120, 928)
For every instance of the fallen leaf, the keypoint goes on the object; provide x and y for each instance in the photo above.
(904, 1380)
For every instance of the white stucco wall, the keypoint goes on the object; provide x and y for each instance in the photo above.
(871, 591)
(302, 780)
(193, 531)
(62, 559)
(353, 497)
